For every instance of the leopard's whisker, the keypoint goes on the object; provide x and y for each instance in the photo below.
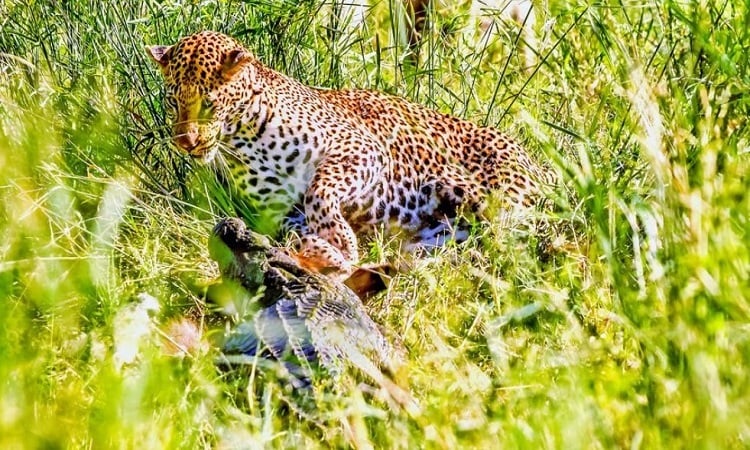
(220, 163)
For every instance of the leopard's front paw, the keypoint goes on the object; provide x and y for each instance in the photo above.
(318, 255)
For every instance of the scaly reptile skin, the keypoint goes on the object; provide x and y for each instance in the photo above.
(304, 319)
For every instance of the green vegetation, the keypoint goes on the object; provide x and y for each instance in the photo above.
(635, 333)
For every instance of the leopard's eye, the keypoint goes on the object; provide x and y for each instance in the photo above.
(206, 111)
(170, 105)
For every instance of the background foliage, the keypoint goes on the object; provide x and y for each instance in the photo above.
(634, 334)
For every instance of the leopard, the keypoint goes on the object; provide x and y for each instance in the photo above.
(334, 166)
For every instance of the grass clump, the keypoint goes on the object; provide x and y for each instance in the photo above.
(634, 333)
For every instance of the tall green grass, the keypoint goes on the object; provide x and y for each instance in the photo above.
(633, 333)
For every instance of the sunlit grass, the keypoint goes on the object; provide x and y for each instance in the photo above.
(633, 333)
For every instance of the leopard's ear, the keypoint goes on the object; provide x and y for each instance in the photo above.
(160, 54)
(234, 61)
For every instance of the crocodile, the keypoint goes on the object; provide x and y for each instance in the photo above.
(301, 319)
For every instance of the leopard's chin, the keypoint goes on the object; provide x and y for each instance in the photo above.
(205, 153)
(209, 157)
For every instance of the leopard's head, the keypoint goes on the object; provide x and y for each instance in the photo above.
(208, 78)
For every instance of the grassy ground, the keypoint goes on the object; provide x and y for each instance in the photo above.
(634, 334)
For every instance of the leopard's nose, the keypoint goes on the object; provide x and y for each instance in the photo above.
(186, 141)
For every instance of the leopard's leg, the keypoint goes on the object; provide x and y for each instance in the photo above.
(318, 255)
(458, 192)
(515, 178)
(331, 241)
(345, 178)
(308, 249)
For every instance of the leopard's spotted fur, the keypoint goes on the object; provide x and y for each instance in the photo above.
(337, 163)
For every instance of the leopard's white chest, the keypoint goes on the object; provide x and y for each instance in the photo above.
(274, 167)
